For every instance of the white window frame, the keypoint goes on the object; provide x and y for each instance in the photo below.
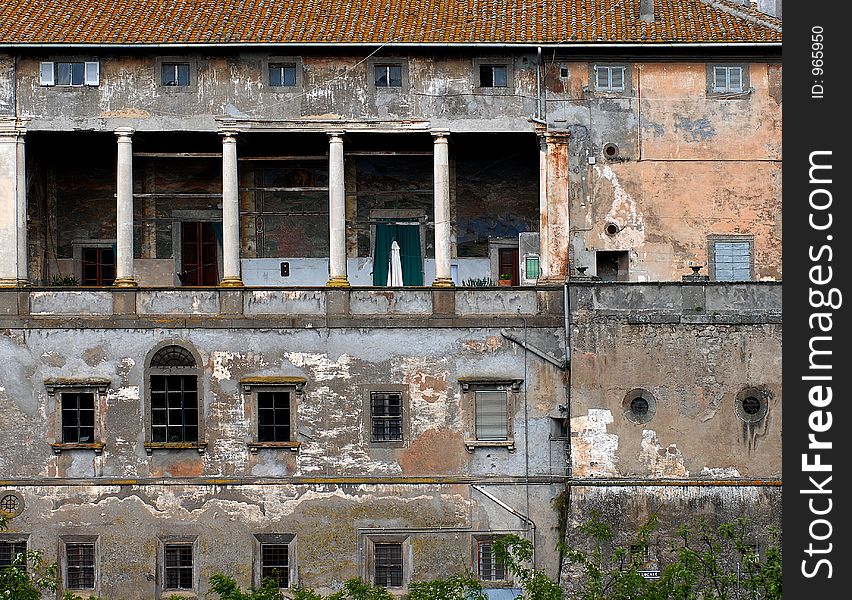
(387, 67)
(609, 87)
(727, 88)
(48, 74)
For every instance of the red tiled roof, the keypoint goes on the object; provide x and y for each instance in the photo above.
(149, 22)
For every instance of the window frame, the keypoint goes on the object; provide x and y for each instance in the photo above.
(396, 61)
(177, 540)
(745, 81)
(73, 539)
(496, 61)
(627, 79)
(477, 540)
(387, 66)
(367, 392)
(91, 73)
(260, 539)
(730, 238)
(268, 63)
(251, 387)
(193, 73)
(15, 538)
(469, 387)
(369, 562)
(201, 444)
(98, 388)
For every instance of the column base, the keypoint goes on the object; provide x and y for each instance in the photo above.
(552, 281)
(14, 283)
(231, 282)
(125, 282)
(338, 282)
(443, 282)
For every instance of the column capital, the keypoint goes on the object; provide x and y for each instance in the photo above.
(555, 137)
(440, 135)
(336, 135)
(229, 135)
(124, 133)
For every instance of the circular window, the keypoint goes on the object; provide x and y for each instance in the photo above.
(753, 404)
(610, 150)
(639, 406)
(11, 503)
(612, 228)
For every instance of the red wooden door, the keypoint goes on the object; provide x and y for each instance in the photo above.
(199, 256)
(508, 263)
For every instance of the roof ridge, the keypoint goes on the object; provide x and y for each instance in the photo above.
(749, 14)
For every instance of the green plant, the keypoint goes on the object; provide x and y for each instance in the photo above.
(455, 587)
(227, 589)
(516, 553)
(505, 276)
(478, 282)
(354, 589)
(58, 280)
(28, 575)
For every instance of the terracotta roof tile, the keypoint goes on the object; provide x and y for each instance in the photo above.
(379, 21)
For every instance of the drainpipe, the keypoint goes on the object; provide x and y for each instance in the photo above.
(566, 305)
(529, 522)
(538, 111)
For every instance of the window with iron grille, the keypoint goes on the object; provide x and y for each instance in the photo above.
(388, 75)
(492, 417)
(275, 563)
(493, 76)
(176, 74)
(174, 408)
(282, 74)
(731, 258)
(9, 550)
(727, 79)
(98, 266)
(387, 564)
(489, 568)
(610, 78)
(386, 416)
(78, 417)
(79, 565)
(178, 568)
(273, 416)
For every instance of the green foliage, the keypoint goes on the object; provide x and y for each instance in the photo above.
(712, 564)
(354, 589)
(227, 589)
(479, 282)
(27, 576)
(63, 280)
(455, 587)
(516, 553)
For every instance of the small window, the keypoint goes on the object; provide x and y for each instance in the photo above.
(639, 406)
(387, 564)
(178, 567)
(563, 72)
(531, 267)
(612, 265)
(609, 78)
(727, 79)
(493, 76)
(752, 404)
(273, 416)
(489, 568)
(10, 550)
(275, 564)
(78, 417)
(386, 416)
(98, 266)
(388, 76)
(79, 565)
(68, 73)
(731, 258)
(492, 420)
(176, 74)
(282, 75)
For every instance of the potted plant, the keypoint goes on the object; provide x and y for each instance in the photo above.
(505, 279)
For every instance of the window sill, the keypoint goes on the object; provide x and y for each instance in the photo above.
(472, 445)
(98, 447)
(291, 446)
(151, 446)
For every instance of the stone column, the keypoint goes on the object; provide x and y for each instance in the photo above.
(443, 243)
(336, 212)
(230, 212)
(554, 231)
(13, 222)
(124, 210)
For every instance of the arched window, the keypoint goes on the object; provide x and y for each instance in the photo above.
(173, 398)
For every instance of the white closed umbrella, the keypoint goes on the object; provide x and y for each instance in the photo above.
(394, 266)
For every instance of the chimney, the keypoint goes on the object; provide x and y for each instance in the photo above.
(646, 10)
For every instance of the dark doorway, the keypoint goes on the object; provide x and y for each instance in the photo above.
(199, 254)
(508, 264)
(612, 265)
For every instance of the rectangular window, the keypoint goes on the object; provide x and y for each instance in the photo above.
(176, 74)
(531, 267)
(282, 75)
(387, 564)
(490, 569)
(275, 564)
(78, 417)
(388, 75)
(273, 416)
(732, 260)
(609, 78)
(491, 415)
(386, 416)
(727, 79)
(178, 566)
(493, 76)
(174, 408)
(9, 551)
(98, 266)
(69, 73)
(79, 565)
